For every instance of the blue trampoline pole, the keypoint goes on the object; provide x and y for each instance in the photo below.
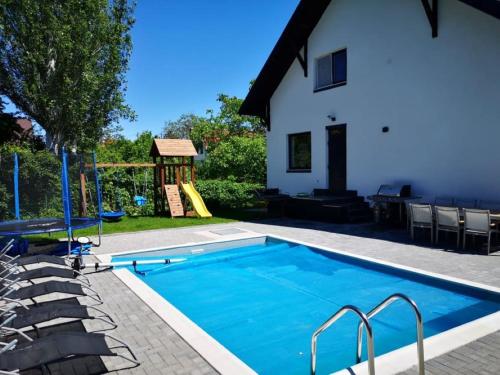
(66, 198)
(99, 198)
(16, 187)
(97, 186)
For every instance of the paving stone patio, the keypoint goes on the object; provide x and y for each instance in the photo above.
(162, 351)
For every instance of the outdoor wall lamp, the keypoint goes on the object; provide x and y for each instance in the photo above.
(332, 117)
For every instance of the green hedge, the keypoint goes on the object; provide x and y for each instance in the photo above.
(227, 193)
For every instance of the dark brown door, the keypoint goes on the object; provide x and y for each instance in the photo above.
(337, 158)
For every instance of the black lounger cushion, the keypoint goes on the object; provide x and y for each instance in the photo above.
(48, 287)
(42, 314)
(53, 348)
(34, 259)
(38, 273)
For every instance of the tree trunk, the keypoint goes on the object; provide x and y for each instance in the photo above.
(53, 141)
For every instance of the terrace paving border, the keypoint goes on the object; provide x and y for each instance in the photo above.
(162, 351)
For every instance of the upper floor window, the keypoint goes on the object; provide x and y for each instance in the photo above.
(331, 70)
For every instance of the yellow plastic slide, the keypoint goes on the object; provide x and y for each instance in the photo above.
(196, 200)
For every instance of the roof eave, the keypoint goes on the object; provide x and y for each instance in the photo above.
(291, 41)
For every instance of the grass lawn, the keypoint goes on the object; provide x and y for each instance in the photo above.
(137, 224)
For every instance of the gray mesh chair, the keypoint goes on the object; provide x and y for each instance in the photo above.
(448, 220)
(421, 217)
(478, 223)
(408, 211)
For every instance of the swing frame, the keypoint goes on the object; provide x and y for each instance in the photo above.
(166, 168)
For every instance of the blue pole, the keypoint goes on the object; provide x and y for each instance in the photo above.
(16, 187)
(65, 189)
(66, 198)
(97, 186)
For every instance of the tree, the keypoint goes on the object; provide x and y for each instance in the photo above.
(242, 159)
(227, 122)
(236, 144)
(180, 128)
(63, 64)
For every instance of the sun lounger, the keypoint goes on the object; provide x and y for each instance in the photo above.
(57, 347)
(9, 294)
(7, 260)
(22, 317)
(34, 260)
(42, 272)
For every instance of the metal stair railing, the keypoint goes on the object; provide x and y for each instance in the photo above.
(419, 325)
(363, 322)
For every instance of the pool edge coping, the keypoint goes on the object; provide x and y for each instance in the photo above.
(389, 363)
(106, 258)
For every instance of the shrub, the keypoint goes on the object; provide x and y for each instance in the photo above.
(240, 158)
(227, 193)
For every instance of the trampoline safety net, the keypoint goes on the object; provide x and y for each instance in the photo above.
(43, 192)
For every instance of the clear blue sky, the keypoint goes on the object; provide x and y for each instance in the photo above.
(187, 51)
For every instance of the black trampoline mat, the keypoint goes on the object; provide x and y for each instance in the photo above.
(45, 225)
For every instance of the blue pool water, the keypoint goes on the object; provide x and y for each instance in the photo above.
(263, 303)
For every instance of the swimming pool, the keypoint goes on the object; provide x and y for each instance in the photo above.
(262, 299)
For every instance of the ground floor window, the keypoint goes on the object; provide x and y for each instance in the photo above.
(299, 152)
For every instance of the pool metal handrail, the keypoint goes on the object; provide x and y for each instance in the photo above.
(363, 322)
(419, 324)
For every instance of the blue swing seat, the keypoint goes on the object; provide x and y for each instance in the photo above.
(140, 200)
(112, 215)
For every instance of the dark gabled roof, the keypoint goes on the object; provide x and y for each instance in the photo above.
(291, 41)
(296, 32)
(491, 7)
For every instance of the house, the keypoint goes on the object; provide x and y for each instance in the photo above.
(362, 93)
(25, 127)
(15, 129)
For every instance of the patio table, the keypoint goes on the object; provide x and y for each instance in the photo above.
(495, 217)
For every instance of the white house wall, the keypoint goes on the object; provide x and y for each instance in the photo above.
(439, 97)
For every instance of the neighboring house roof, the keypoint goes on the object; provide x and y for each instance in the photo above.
(25, 125)
(291, 41)
(172, 147)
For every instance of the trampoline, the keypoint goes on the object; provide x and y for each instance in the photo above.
(38, 203)
(45, 225)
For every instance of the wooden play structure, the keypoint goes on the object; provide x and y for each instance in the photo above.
(173, 166)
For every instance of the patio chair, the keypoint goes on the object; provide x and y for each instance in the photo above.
(408, 210)
(465, 203)
(40, 352)
(10, 294)
(478, 223)
(7, 260)
(421, 217)
(444, 201)
(9, 274)
(7, 246)
(448, 220)
(18, 318)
